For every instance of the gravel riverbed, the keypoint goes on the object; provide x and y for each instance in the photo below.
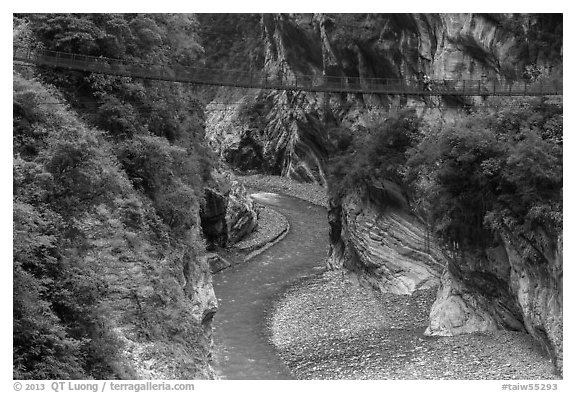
(331, 327)
(312, 193)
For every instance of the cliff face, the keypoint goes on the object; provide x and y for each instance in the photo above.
(276, 132)
(283, 133)
(391, 250)
(510, 287)
(537, 282)
(165, 316)
(128, 296)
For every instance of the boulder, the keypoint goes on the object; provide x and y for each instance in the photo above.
(241, 214)
(227, 216)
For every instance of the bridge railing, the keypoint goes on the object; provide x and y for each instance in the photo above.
(180, 73)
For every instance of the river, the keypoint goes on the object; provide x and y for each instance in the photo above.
(246, 291)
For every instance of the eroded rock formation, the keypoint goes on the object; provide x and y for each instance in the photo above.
(509, 286)
(388, 248)
(241, 215)
(513, 286)
(227, 215)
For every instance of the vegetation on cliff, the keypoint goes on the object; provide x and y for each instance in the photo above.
(491, 171)
(377, 153)
(232, 41)
(486, 171)
(108, 181)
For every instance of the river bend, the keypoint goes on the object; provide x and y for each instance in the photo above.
(246, 291)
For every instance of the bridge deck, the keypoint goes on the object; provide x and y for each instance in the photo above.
(333, 84)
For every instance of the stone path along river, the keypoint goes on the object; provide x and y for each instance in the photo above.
(246, 291)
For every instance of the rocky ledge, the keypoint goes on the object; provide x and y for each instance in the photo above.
(331, 327)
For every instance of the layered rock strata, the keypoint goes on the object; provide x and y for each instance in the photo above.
(511, 287)
(391, 250)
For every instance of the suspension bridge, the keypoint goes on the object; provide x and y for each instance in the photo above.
(312, 83)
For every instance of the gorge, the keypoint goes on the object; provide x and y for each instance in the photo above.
(127, 184)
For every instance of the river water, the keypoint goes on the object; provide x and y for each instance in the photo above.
(246, 291)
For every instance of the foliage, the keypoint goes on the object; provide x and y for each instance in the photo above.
(132, 112)
(122, 105)
(232, 41)
(167, 174)
(103, 197)
(58, 327)
(492, 172)
(150, 37)
(487, 172)
(375, 154)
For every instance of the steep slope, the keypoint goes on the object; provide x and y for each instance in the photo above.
(104, 286)
(506, 289)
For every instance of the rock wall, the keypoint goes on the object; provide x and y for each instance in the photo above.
(388, 248)
(163, 314)
(537, 282)
(511, 286)
(475, 296)
(284, 132)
